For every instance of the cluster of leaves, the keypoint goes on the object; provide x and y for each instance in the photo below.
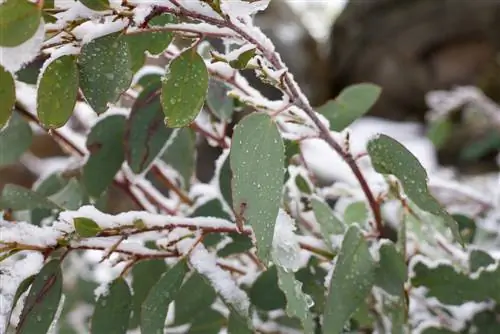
(355, 278)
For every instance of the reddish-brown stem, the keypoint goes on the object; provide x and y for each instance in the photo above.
(170, 185)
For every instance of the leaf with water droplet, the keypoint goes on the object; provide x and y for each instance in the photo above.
(57, 92)
(112, 311)
(105, 70)
(15, 139)
(145, 135)
(352, 103)
(257, 159)
(43, 299)
(86, 227)
(97, 5)
(391, 157)
(19, 198)
(155, 42)
(297, 302)
(105, 144)
(7, 95)
(328, 224)
(352, 280)
(154, 309)
(184, 89)
(19, 21)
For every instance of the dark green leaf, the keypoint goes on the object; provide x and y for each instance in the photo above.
(467, 227)
(15, 139)
(218, 101)
(297, 303)
(70, 197)
(391, 157)
(352, 103)
(145, 275)
(189, 304)
(257, 191)
(105, 144)
(352, 280)
(302, 184)
(19, 198)
(146, 134)
(265, 293)
(212, 208)
(97, 5)
(241, 243)
(313, 278)
(225, 177)
(489, 143)
(19, 21)
(154, 309)
(86, 227)
(105, 70)
(237, 325)
(479, 259)
(439, 132)
(243, 59)
(47, 187)
(43, 299)
(57, 92)
(184, 89)
(112, 311)
(21, 289)
(207, 322)
(30, 72)
(180, 154)
(329, 224)
(391, 272)
(155, 42)
(7, 95)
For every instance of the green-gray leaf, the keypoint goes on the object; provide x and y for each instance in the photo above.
(328, 224)
(146, 134)
(7, 95)
(352, 280)
(218, 101)
(391, 157)
(57, 92)
(19, 198)
(105, 144)
(43, 299)
(105, 70)
(112, 311)
(391, 272)
(15, 139)
(265, 293)
(297, 302)
(19, 21)
(257, 191)
(70, 197)
(356, 212)
(352, 103)
(154, 309)
(180, 155)
(184, 89)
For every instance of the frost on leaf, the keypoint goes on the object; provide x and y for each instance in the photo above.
(286, 248)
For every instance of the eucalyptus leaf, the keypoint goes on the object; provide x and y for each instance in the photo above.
(86, 227)
(19, 198)
(329, 224)
(98, 5)
(257, 191)
(19, 21)
(180, 155)
(7, 95)
(391, 272)
(265, 293)
(70, 197)
(15, 139)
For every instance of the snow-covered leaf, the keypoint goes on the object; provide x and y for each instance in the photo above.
(297, 302)
(57, 92)
(352, 103)
(105, 70)
(257, 191)
(154, 309)
(112, 310)
(391, 157)
(351, 282)
(19, 198)
(145, 135)
(105, 144)
(19, 21)
(155, 42)
(15, 139)
(7, 96)
(43, 299)
(184, 89)
(86, 227)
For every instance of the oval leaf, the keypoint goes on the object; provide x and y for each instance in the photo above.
(155, 307)
(57, 92)
(86, 227)
(15, 139)
(112, 311)
(105, 70)
(7, 95)
(184, 89)
(257, 191)
(105, 144)
(43, 299)
(146, 134)
(19, 20)
(19, 198)
(352, 280)
(391, 157)
(352, 103)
